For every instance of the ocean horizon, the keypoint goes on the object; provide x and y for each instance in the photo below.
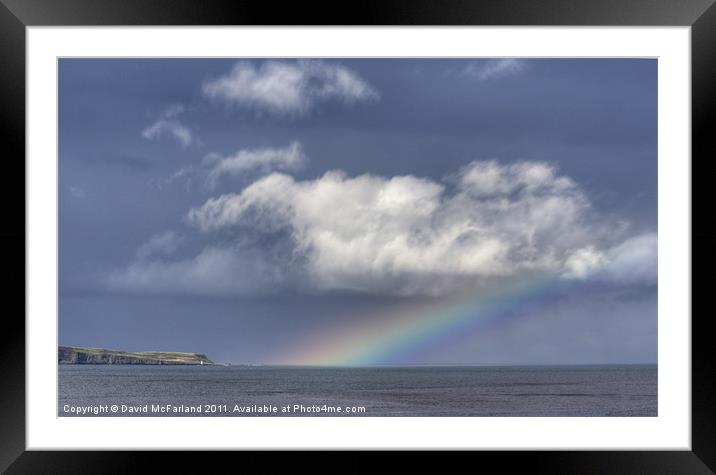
(589, 390)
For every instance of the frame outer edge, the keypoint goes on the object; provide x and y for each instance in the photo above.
(12, 96)
(12, 237)
(703, 115)
(385, 12)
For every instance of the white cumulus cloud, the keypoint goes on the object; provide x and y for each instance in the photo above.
(288, 88)
(403, 235)
(411, 235)
(632, 261)
(261, 159)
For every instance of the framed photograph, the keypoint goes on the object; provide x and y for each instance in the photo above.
(427, 227)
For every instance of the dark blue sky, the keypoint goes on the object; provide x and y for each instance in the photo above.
(196, 213)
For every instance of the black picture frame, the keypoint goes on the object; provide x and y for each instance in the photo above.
(16, 15)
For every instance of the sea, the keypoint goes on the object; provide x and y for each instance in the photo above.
(282, 391)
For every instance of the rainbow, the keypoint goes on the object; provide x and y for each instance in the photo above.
(395, 336)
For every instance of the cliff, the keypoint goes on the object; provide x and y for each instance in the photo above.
(76, 355)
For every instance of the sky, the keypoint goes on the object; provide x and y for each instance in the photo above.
(335, 211)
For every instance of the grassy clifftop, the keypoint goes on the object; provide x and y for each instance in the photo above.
(77, 355)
